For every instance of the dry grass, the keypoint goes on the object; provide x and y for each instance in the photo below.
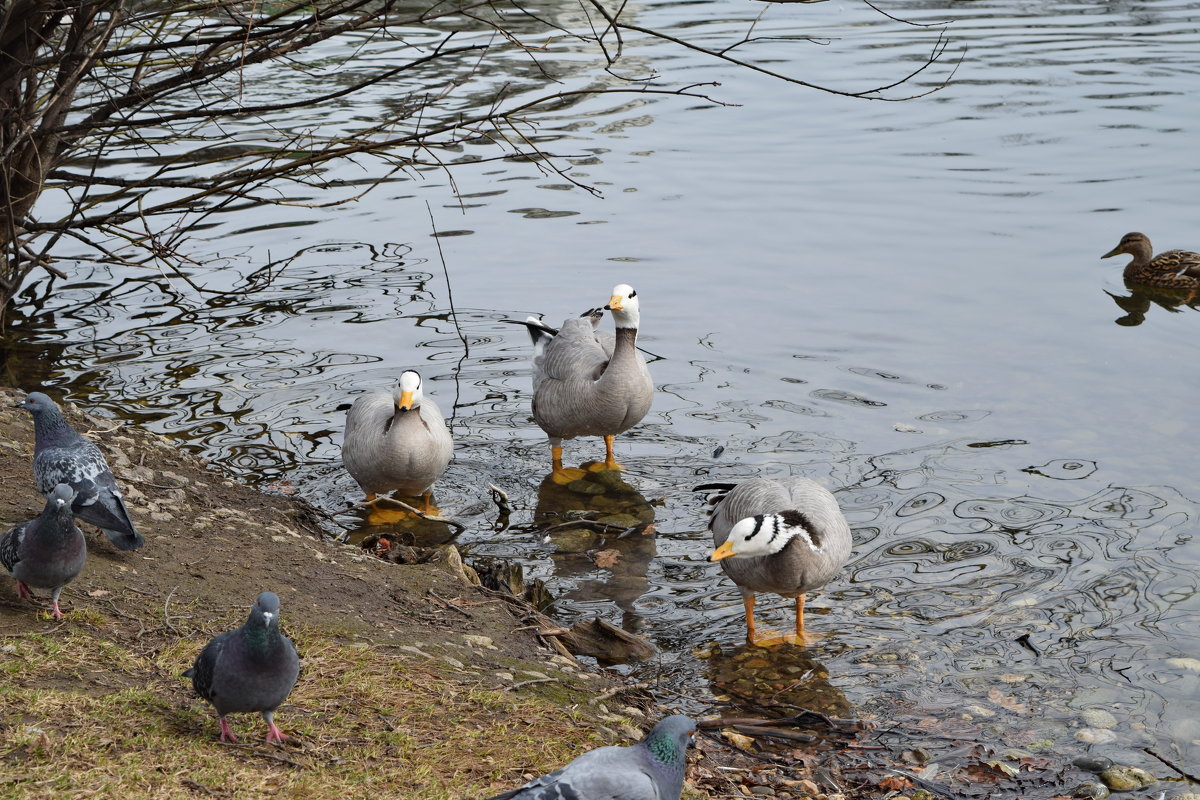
(89, 714)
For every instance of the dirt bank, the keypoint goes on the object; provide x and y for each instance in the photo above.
(415, 683)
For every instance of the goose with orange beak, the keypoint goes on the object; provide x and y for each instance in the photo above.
(786, 536)
(397, 442)
(588, 382)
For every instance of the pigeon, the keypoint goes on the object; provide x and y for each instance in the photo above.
(47, 552)
(61, 455)
(249, 669)
(652, 769)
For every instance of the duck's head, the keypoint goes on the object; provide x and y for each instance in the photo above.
(624, 306)
(1134, 244)
(408, 391)
(764, 534)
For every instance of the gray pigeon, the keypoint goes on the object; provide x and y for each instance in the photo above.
(61, 455)
(652, 769)
(47, 552)
(249, 669)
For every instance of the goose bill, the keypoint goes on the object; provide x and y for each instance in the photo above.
(724, 551)
(405, 401)
(614, 302)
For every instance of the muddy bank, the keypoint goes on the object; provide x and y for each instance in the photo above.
(401, 662)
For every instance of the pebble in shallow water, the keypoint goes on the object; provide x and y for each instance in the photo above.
(1098, 718)
(1093, 763)
(1127, 779)
(1095, 736)
(1096, 791)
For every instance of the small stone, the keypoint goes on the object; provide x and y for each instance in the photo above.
(922, 794)
(504, 676)
(1098, 718)
(1096, 791)
(1127, 779)
(1095, 736)
(1093, 763)
(454, 662)
(479, 641)
(1188, 796)
(762, 791)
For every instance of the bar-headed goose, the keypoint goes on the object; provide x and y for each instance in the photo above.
(588, 382)
(397, 442)
(786, 536)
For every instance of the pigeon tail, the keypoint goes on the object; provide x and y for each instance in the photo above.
(124, 541)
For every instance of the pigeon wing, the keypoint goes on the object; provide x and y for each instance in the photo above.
(10, 545)
(205, 665)
(70, 465)
(609, 773)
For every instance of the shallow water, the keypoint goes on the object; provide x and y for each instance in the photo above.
(902, 300)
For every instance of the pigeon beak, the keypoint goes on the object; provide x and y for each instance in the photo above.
(614, 303)
(724, 551)
(268, 616)
(405, 401)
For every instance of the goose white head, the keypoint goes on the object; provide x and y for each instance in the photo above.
(408, 391)
(624, 306)
(765, 534)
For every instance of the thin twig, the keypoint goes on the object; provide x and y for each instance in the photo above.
(1173, 766)
(166, 613)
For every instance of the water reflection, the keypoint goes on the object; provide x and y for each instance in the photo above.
(1140, 300)
(774, 677)
(603, 540)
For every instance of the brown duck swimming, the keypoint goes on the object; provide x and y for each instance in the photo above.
(1174, 269)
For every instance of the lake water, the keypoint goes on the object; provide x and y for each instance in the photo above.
(903, 300)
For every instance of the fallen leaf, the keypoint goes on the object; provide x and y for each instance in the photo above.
(606, 559)
(738, 740)
(99, 593)
(1007, 769)
(649, 529)
(1004, 701)
(895, 783)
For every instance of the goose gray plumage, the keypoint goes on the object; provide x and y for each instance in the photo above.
(588, 382)
(786, 536)
(397, 442)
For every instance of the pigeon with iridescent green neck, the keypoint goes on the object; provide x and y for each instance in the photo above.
(251, 669)
(652, 769)
(47, 552)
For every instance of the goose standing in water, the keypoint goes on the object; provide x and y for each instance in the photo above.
(588, 382)
(785, 536)
(397, 442)
(1174, 269)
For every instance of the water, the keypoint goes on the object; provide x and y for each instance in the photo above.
(900, 299)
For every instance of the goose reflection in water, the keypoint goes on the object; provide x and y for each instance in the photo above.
(1141, 299)
(600, 521)
(776, 677)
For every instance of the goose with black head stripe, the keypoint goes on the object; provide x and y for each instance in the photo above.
(786, 536)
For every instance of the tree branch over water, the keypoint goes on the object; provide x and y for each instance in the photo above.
(125, 125)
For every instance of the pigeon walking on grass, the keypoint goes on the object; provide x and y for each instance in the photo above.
(251, 669)
(61, 455)
(47, 552)
(652, 769)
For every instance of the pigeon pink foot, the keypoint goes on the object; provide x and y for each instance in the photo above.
(226, 733)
